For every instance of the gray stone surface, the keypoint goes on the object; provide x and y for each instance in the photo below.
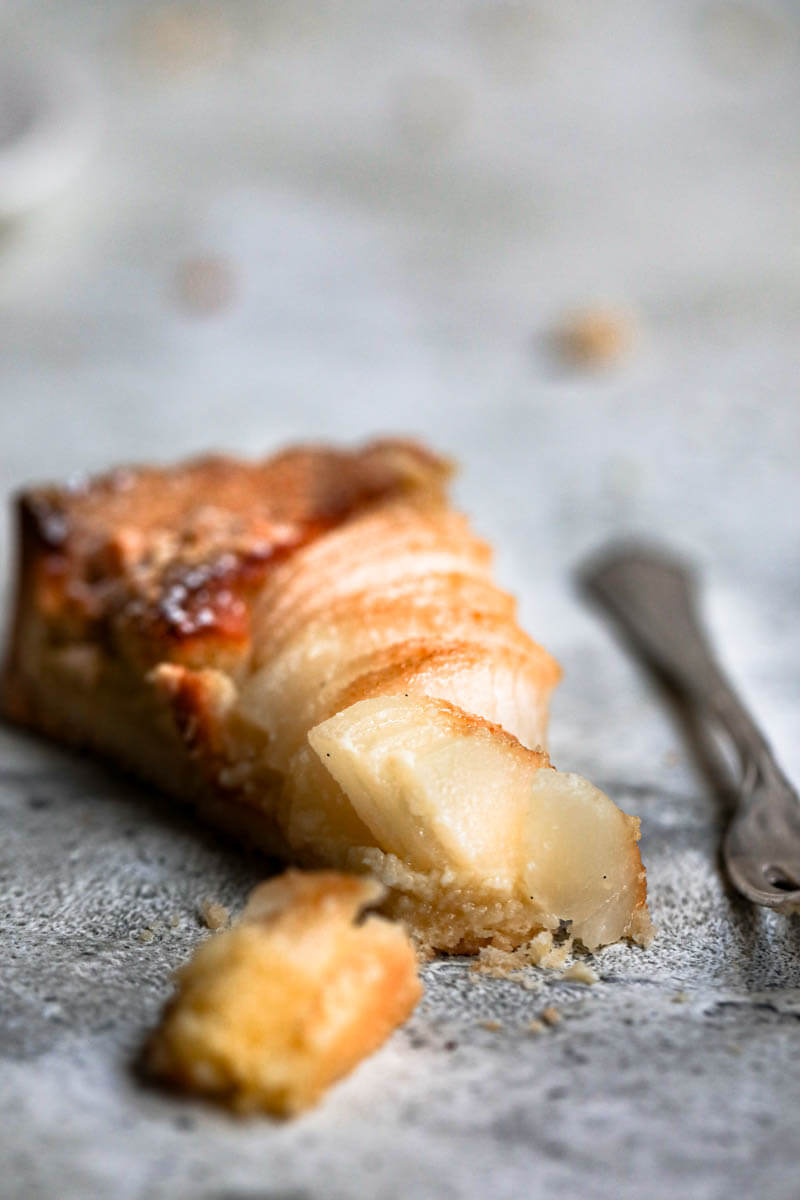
(405, 199)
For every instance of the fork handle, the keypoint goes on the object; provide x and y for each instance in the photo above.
(651, 595)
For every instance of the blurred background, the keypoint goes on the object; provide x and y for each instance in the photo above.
(559, 240)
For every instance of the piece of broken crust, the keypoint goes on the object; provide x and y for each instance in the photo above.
(269, 1013)
(195, 623)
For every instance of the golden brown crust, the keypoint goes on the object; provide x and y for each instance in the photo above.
(270, 1013)
(164, 562)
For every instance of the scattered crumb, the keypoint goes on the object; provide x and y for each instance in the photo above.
(680, 998)
(545, 952)
(535, 1027)
(215, 916)
(528, 982)
(205, 284)
(174, 921)
(551, 1016)
(492, 1026)
(595, 336)
(179, 37)
(146, 935)
(580, 972)
(540, 951)
(494, 972)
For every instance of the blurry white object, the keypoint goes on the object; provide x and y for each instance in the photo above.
(47, 128)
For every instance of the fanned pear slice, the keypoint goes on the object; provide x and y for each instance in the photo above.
(457, 798)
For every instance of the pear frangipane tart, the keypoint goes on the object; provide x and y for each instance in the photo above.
(311, 650)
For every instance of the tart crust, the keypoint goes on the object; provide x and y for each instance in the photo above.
(270, 1012)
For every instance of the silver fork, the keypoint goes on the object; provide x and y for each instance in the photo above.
(652, 597)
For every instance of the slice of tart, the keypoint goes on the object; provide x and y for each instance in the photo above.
(195, 623)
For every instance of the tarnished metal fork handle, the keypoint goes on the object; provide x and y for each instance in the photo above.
(651, 595)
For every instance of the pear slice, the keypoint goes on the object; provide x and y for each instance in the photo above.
(582, 861)
(455, 797)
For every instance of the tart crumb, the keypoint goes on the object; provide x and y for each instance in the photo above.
(530, 984)
(205, 284)
(540, 951)
(214, 915)
(492, 1026)
(551, 1015)
(535, 1027)
(597, 336)
(581, 972)
(177, 38)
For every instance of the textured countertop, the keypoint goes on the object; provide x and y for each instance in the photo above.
(331, 220)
